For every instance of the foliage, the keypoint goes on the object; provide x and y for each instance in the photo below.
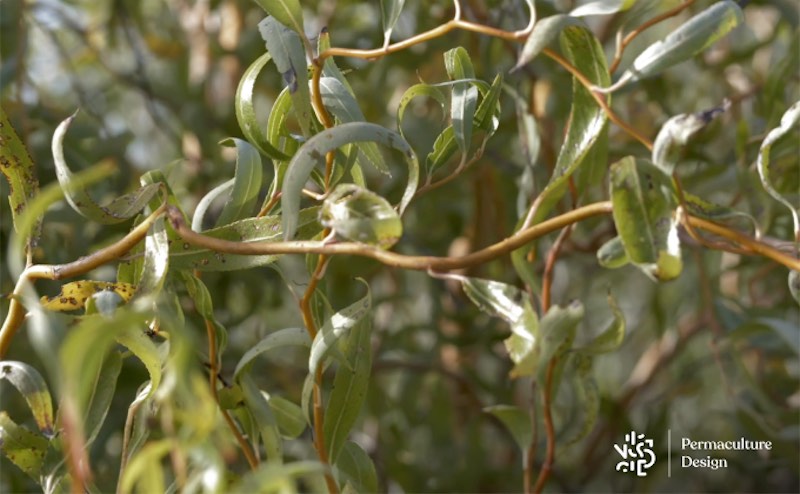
(471, 258)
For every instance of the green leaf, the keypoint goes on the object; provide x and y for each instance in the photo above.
(262, 413)
(354, 466)
(691, 38)
(313, 153)
(444, 147)
(422, 89)
(612, 254)
(246, 185)
(17, 166)
(286, 48)
(136, 340)
(349, 389)
(276, 340)
(789, 120)
(118, 210)
(390, 12)
(642, 210)
(287, 12)
(338, 326)
(602, 7)
(487, 116)
(544, 32)
(586, 393)
(357, 214)
(587, 120)
(517, 422)
(676, 132)
(611, 338)
(105, 383)
(24, 448)
(464, 100)
(794, 285)
(156, 261)
(245, 110)
(699, 207)
(288, 415)
(271, 478)
(145, 470)
(34, 389)
(557, 329)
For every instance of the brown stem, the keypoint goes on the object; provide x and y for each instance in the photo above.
(549, 428)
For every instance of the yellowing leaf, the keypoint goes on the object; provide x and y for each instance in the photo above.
(73, 295)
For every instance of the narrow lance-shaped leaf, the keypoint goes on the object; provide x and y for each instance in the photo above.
(288, 415)
(105, 383)
(676, 132)
(360, 215)
(390, 12)
(73, 295)
(337, 327)
(34, 389)
(517, 421)
(156, 261)
(136, 340)
(602, 7)
(557, 329)
(246, 185)
(120, 209)
(262, 413)
(349, 389)
(24, 448)
(691, 38)
(356, 467)
(17, 166)
(246, 113)
(789, 120)
(273, 341)
(544, 32)
(287, 12)
(643, 215)
(313, 153)
(286, 48)
(586, 394)
(464, 100)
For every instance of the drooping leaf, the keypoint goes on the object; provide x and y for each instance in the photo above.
(17, 166)
(286, 48)
(287, 12)
(105, 383)
(517, 422)
(544, 32)
(643, 215)
(264, 229)
(273, 341)
(676, 132)
(136, 340)
(246, 185)
(118, 210)
(789, 120)
(34, 389)
(557, 329)
(262, 413)
(691, 38)
(464, 100)
(73, 295)
(313, 153)
(390, 12)
(601, 7)
(337, 327)
(246, 113)
(355, 465)
(586, 393)
(610, 338)
(199, 217)
(349, 388)
(24, 448)
(612, 254)
(360, 215)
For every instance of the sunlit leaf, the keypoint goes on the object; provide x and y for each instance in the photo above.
(429, 90)
(676, 132)
(355, 465)
(691, 38)
(273, 341)
(145, 471)
(349, 388)
(544, 32)
(444, 147)
(313, 153)
(643, 215)
(34, 389)
(794, 284)
(245, 110)
(262, 413)
(17, 166)
(337, 327)
(246, 185)
(610, 339)
(73, 295)
(265, 229)
(136, 340)
(612, 254)
(602, 7)
(118, 210)
(789, 120)
(156, 261)
(287, 12)
(360, 215)
(517, 422)
(24, 448)
(286, 48)
(390, 12)
(464, 100)
(271, 478)
(487, 116)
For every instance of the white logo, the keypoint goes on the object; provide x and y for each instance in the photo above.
(637, 454)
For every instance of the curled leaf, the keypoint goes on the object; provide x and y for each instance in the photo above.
(676, 132)
(360, 215)
(789, 120)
